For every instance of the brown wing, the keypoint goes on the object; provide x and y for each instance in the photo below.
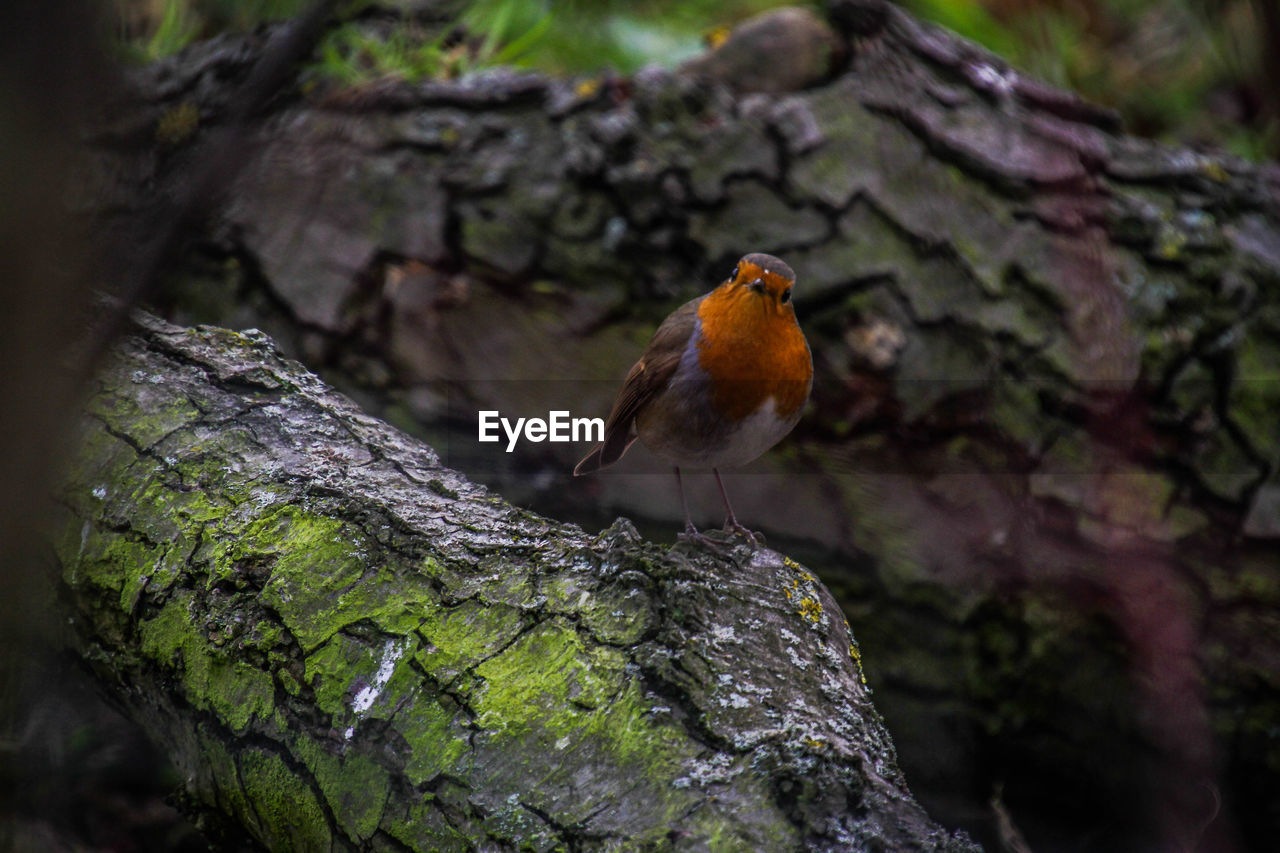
(645, 380)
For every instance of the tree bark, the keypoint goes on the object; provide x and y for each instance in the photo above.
(1043, 445)
(342, 644)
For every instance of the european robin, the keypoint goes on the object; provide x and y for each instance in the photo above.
(722, 381)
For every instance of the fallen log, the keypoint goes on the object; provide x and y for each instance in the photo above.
(344, 645)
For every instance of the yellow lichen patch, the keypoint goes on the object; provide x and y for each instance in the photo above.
(810, 609)
(814, 743)
(805, 574)
(1215, 172)
(177, 125)
(586, 88)
(716, 36)
(1170, 243)
(856, 654)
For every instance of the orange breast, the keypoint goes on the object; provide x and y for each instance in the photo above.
(752, 349)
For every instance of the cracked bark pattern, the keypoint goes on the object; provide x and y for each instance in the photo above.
(1047, 359)
(1005, 230)
(344, 645)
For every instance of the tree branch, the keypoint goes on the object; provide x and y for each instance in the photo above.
(341, 643)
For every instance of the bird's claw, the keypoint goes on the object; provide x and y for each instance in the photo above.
(755, 537)
(694, 536)
(731, 529)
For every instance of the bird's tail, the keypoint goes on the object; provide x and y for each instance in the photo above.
(606, 453)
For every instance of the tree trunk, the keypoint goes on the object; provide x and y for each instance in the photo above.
(1043, 448)
(343, 644)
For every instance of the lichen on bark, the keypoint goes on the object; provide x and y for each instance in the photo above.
(344, 645)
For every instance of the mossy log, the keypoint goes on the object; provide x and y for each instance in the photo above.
(1043, 447)
(344, 645)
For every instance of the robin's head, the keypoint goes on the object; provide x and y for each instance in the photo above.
(766, 276)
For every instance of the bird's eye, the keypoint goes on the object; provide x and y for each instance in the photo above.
(734, 276)
(786, 296)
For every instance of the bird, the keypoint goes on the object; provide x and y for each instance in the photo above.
(724, 378)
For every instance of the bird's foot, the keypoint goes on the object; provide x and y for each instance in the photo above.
(694, 536)
(733, 527)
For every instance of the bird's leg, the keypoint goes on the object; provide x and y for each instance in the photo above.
(690, 530)
(731, 523)
(691, 533)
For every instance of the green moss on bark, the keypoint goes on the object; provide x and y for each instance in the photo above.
(179, 640)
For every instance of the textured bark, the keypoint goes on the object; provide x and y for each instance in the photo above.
(1043, 447)
(343, 644)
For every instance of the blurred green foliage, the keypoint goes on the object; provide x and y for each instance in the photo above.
(557, 36)
(351, 55)
(588, 35)
(152, 29)
(1191, 71)
(497, 32)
